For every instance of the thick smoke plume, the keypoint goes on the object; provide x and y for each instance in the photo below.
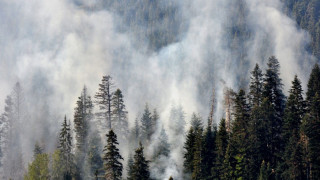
(158, 52)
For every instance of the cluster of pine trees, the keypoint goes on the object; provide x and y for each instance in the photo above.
(265, 135)
(270, 136)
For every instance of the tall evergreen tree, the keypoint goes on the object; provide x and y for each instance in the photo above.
(65, 146)
(208, 151)
(82, 117)
(103, 100)
(113, 166)
(221, 147)
(256, 85)
(189, 151)
(146, 125)
(140, 166)
(313, 84)
(119, 115)
(311, 128)
(239, 137)
(273, 92)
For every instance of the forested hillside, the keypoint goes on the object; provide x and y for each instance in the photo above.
(163, 90)
(307, 15)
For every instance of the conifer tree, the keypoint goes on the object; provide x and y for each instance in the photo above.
(256, 86)
(94, 158)
(65, 146)
(130, 168)
(221, 146)
(294, 113)
(239, 136)
(37, 150)
(119, 115)
(189, 151)
(273, 92)
(146, 125)
(208, 151)
(313, 84)
(163, 147)
(113, 167)
(311, 128)
(103, 100)
(154, 120)
(82, 118)
(197, 161)
(140, 166)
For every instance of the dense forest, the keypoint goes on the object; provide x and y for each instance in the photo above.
(146, 89)
(264, 135)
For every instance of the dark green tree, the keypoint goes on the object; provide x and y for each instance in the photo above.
(311, 128)
(273, 92)
(313, 84)
(65, 147)
(221, 147)
(208, 151)
(189, 151)
(112, 157)
(256, 86)
(294, 112)
(140, 166)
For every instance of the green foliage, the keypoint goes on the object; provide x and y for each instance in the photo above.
(39, 168)
(113, 167)
(140, 168)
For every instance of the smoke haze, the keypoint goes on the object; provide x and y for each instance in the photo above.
(164, 53)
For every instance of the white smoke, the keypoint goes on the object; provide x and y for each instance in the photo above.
(58, 46)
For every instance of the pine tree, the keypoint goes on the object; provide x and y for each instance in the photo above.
(113, 166)
(37, 150)
(197, 160)
(311, 128)
(239, 136)
(82, 117)
(119, 115)
(177, 120)
(14, 116)
(65, 146)
(256, 84)
(163, 148)
(294, 113)
(273, 91)
(103, 100)
(94, 159)
(189, 151)
(313, 84)
(146, 125)
(140, 166)
(221, 143)
(154, 120)
(130, 168)
(208, 151)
